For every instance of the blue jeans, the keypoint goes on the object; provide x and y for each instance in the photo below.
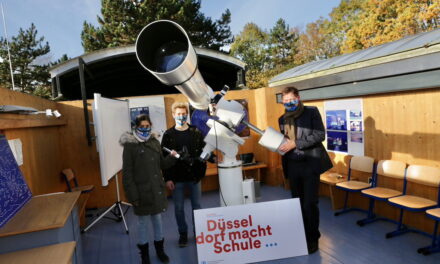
(179, 199)
(156, 220)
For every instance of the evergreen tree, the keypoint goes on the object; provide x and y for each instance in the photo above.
(62, 59)
(282, 45)
(122, 20)
(28, 76)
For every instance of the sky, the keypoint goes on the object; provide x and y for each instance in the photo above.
(61, 21)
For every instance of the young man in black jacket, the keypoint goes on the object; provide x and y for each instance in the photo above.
(189, 170)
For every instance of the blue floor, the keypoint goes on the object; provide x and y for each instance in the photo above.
(342, 240)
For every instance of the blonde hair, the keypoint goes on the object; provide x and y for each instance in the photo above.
(179, 105)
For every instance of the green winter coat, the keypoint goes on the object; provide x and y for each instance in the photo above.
(142, 175)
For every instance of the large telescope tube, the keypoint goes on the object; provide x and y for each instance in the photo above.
(163, 48)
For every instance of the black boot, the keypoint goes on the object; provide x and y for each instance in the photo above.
(144, 253)
(312, 246)
(160, 251)
(183, 239)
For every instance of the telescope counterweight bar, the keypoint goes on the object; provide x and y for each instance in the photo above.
(254, 128)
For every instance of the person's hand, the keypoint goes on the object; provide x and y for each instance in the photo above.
(288, 146)
(174, 154)
(170, 185)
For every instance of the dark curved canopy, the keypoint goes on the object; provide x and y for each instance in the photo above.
(115, 72)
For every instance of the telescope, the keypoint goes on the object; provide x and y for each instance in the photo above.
(163, 48)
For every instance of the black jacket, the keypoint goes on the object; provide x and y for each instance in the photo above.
(142, 176)
(309, 137)
(184, 171)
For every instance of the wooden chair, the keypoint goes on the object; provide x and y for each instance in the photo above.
(435, 245)
(85, 190)
(421, 176)
(361, 164)
(69, 177)
(386, 170)
(328, 181)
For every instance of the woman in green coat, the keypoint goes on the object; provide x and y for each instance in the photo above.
(143, 182)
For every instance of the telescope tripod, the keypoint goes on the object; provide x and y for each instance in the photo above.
(115, 209)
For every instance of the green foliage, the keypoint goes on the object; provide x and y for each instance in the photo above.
(251, 47)
(25, 48)
(282, 44)
(122, 20)
(62, 59)
(265, 53)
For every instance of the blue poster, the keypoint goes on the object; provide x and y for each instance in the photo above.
(14, 192)
(336, 119)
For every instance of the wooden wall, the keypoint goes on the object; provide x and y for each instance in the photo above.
(41, 140)
(399, 126)
(84, 159)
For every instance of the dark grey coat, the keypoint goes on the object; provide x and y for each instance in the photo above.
(142, 176)
(309, 148)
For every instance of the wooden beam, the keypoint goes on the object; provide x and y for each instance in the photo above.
(8, 123)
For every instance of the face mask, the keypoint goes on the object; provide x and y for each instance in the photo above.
(291, 106)
(143, 132)
(180, 120)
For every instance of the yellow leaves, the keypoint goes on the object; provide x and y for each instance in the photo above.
(382, 21)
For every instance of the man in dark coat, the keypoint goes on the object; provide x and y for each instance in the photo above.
(305, 159)
(143, 183)
(188, 170)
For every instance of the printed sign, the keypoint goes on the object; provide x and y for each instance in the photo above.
(250, 233)
(344, 125)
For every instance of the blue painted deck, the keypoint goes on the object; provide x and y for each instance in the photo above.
(342, 240)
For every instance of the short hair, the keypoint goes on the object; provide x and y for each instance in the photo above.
(179, 105)
(290, 89)
(142, 117)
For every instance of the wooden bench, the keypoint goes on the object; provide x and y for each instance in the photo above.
(45, 219)
(61, 253)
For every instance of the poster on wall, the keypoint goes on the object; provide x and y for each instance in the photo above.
(14, 192)
(344, 126)
(154, 106)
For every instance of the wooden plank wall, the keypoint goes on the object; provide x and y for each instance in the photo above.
(41, 141)
(400, 126)
(84, 159)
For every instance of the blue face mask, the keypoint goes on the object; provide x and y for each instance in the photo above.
(143, 131)
(292, 105)
(181, 120)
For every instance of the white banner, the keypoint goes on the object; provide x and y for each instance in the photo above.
(250, 233)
